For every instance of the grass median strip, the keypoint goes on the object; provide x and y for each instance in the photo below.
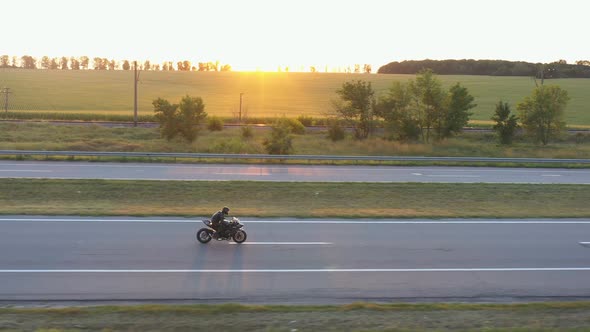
(574, 316)
(292, 199)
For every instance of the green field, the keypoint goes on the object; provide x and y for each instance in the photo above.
(265, 94)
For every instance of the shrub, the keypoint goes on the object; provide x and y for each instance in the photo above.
(335, 131)
(184, 118)
(280, 140)
(293, 125)
(191, 113)
(166, 115)
(305, 120)
(215, 124)
(506, 123)
(580, 138)
(247, 132)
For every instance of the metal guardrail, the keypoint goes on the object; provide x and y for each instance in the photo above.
(285, 157)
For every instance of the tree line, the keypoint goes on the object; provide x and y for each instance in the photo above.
(421, 109)
(557, 69)
(417, 110)
(97, 63)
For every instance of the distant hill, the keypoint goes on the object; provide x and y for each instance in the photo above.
(488, 67)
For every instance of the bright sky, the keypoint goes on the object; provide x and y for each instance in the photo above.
(265, 34)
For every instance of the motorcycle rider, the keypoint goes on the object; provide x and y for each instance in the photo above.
(219, 222)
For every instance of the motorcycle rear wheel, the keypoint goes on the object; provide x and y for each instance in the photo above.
(240, 236)
(203, 235)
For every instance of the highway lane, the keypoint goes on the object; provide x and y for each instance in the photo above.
(251, 172)
(293, 261)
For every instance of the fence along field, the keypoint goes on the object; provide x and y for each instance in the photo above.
(264, 94)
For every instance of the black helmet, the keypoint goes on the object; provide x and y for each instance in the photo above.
(225, 210)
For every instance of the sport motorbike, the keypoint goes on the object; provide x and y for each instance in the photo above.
(234, 229)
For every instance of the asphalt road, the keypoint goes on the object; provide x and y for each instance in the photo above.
(210, 172)
(326, 261)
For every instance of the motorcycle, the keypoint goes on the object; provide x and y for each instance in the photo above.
(233, 230)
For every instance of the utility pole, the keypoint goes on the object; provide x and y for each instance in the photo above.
(6, 93)
(135, 80)
(240, 118)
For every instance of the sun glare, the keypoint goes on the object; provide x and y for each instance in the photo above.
(352, 68)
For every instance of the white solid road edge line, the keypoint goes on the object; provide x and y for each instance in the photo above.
(309, 221)
(283, 243)
(526, 269)
(26, 170)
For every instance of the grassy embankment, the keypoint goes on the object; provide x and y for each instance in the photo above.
(574, 316)
(96, 138)
(306, 200)
(109, 94)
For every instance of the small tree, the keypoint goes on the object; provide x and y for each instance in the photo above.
(356, 106)
(506, 123)
(75, 63)
(84, 61)
(4, 61)
(247, 132)
(335, 131)
(294, 125)
(166, 117)
(413, 109)
(429, 100)
(306, 121)
(191, 114)
(214, 124)
(456, 111)
(542, 113)
(63, 63)
(45, 62)
(280, 140)
(183, 118)
(398, 109)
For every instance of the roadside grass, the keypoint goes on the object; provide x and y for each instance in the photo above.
(258, 161)
(567, 316)
(293, 199)
(39, 136)
(266, 95)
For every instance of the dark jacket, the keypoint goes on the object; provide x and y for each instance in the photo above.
(217, 218)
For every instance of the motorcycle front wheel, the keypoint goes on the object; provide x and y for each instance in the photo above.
(203, 235)
(240, 236)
